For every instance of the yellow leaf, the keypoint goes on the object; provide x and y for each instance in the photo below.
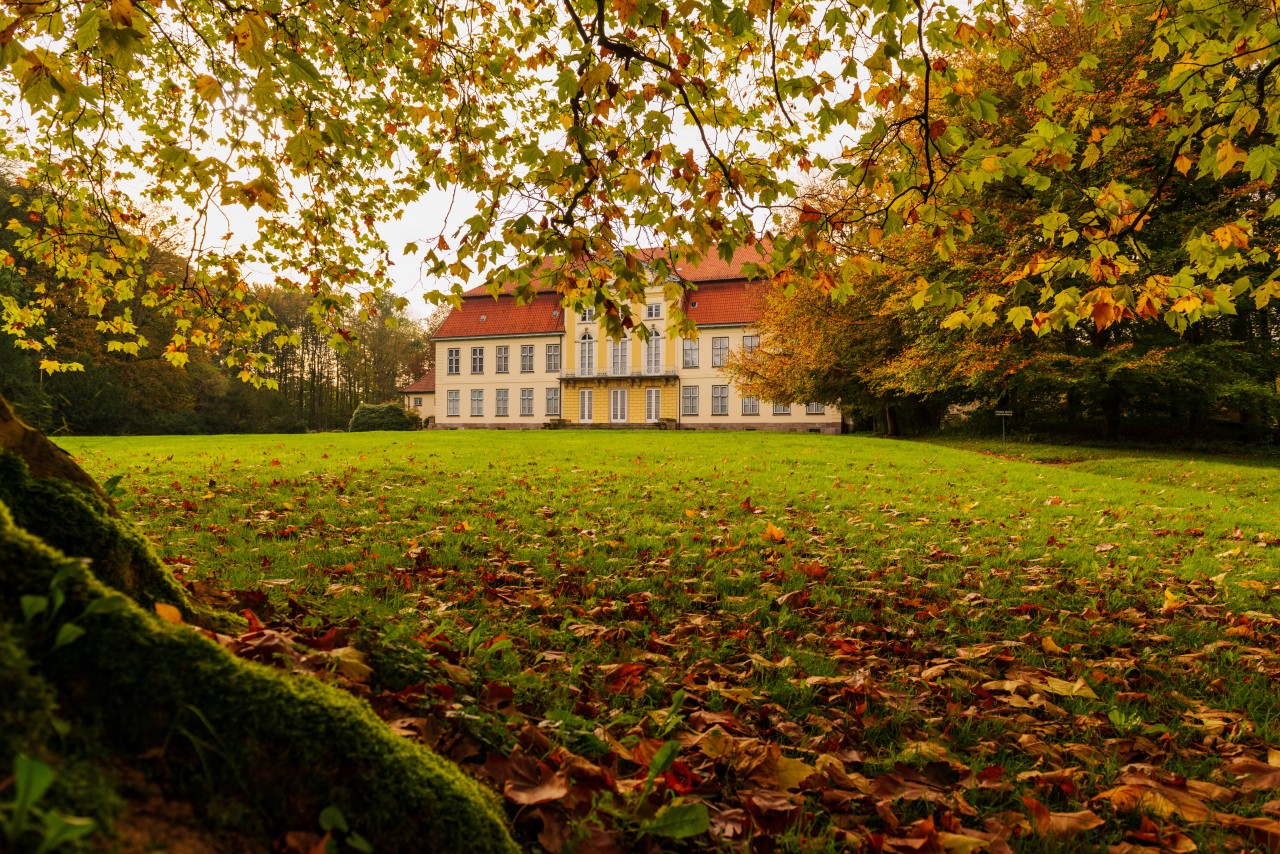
(168, 613)
(1229, 154)
(1182, 163)
(1171, 602)
(208, 88)
(1231, 234)
(792, 772)
(122, 13)
(775, 534)
(1063, 688)
(1050, 646)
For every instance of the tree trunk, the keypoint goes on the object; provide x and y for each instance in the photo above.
(155, 699)
(890, 421)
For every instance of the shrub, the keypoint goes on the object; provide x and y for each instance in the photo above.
(382, 416)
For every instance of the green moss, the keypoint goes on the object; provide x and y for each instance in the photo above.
(78, 523)
(28, 707)
(268, 751)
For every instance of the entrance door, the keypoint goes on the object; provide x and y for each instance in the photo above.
(652, 404)
(584, 405)
(618, 406)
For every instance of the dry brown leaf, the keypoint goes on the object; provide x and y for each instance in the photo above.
(1252, 775)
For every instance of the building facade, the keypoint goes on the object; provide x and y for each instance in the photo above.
(503, 365)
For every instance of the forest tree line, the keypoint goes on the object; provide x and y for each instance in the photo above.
(117, 392)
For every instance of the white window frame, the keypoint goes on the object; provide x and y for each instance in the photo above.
(477, 403)
(689, 400)
(750, 342)
(587, 355)
(690, 352)
(719, 400)
(586, 405)
(526, 403)
(619, 357)
(453, 361)
(815, 409)
(526, 358)
(618, 405)
(502, 359)
(417, 401)
(652, 405)
(653, 311)
(719, 351)
(453, 403)
(750, 405)
(477, 360)
(501, 402)
(782, 409)
(587, 314)
(553, 358)
(553, 402)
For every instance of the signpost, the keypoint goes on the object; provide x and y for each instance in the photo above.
(1003, 413)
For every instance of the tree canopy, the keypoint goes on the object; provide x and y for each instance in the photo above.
(587, 131)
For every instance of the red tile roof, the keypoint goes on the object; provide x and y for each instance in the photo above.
(483, 316)
(713, 268)
(732, 302)
(723, 296)
(426, 384)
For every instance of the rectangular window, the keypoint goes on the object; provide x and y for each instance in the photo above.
(653, 353)
(782, 409)
(553, 358)
(653, 311)
(502, 359)
(417, 401)
(526, 403)
(587, 356)
(501, 400)
(587, 315)
(455, 360)
(453, 400)
(618, 405)
(689, 348)
(719, 350)
(719, 400)
(751, 406)
(477, 403)
(526, 358)
(750, 342)
(652, 404)
(553, 402)
(618, 358)
(815, 409)
(689, 400)
(585, 400)
(477, 360)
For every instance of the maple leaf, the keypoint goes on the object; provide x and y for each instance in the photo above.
(774, 534)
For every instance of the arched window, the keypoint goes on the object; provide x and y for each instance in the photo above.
(587, 355)
(653, 352)
(618, 357)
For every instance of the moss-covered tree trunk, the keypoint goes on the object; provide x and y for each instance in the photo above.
(258, 750)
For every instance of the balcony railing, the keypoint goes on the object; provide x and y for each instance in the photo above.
(640, 374)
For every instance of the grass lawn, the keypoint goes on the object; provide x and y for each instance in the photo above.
(689, 640)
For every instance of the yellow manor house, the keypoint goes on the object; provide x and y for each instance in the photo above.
(503, 365)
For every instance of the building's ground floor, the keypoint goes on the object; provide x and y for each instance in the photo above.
(635, 400)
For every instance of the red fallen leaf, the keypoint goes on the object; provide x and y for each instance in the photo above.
(1048, 823)
(813, 570)
(531, 782)
(623, 678)
(680, 778)
(255, 625)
